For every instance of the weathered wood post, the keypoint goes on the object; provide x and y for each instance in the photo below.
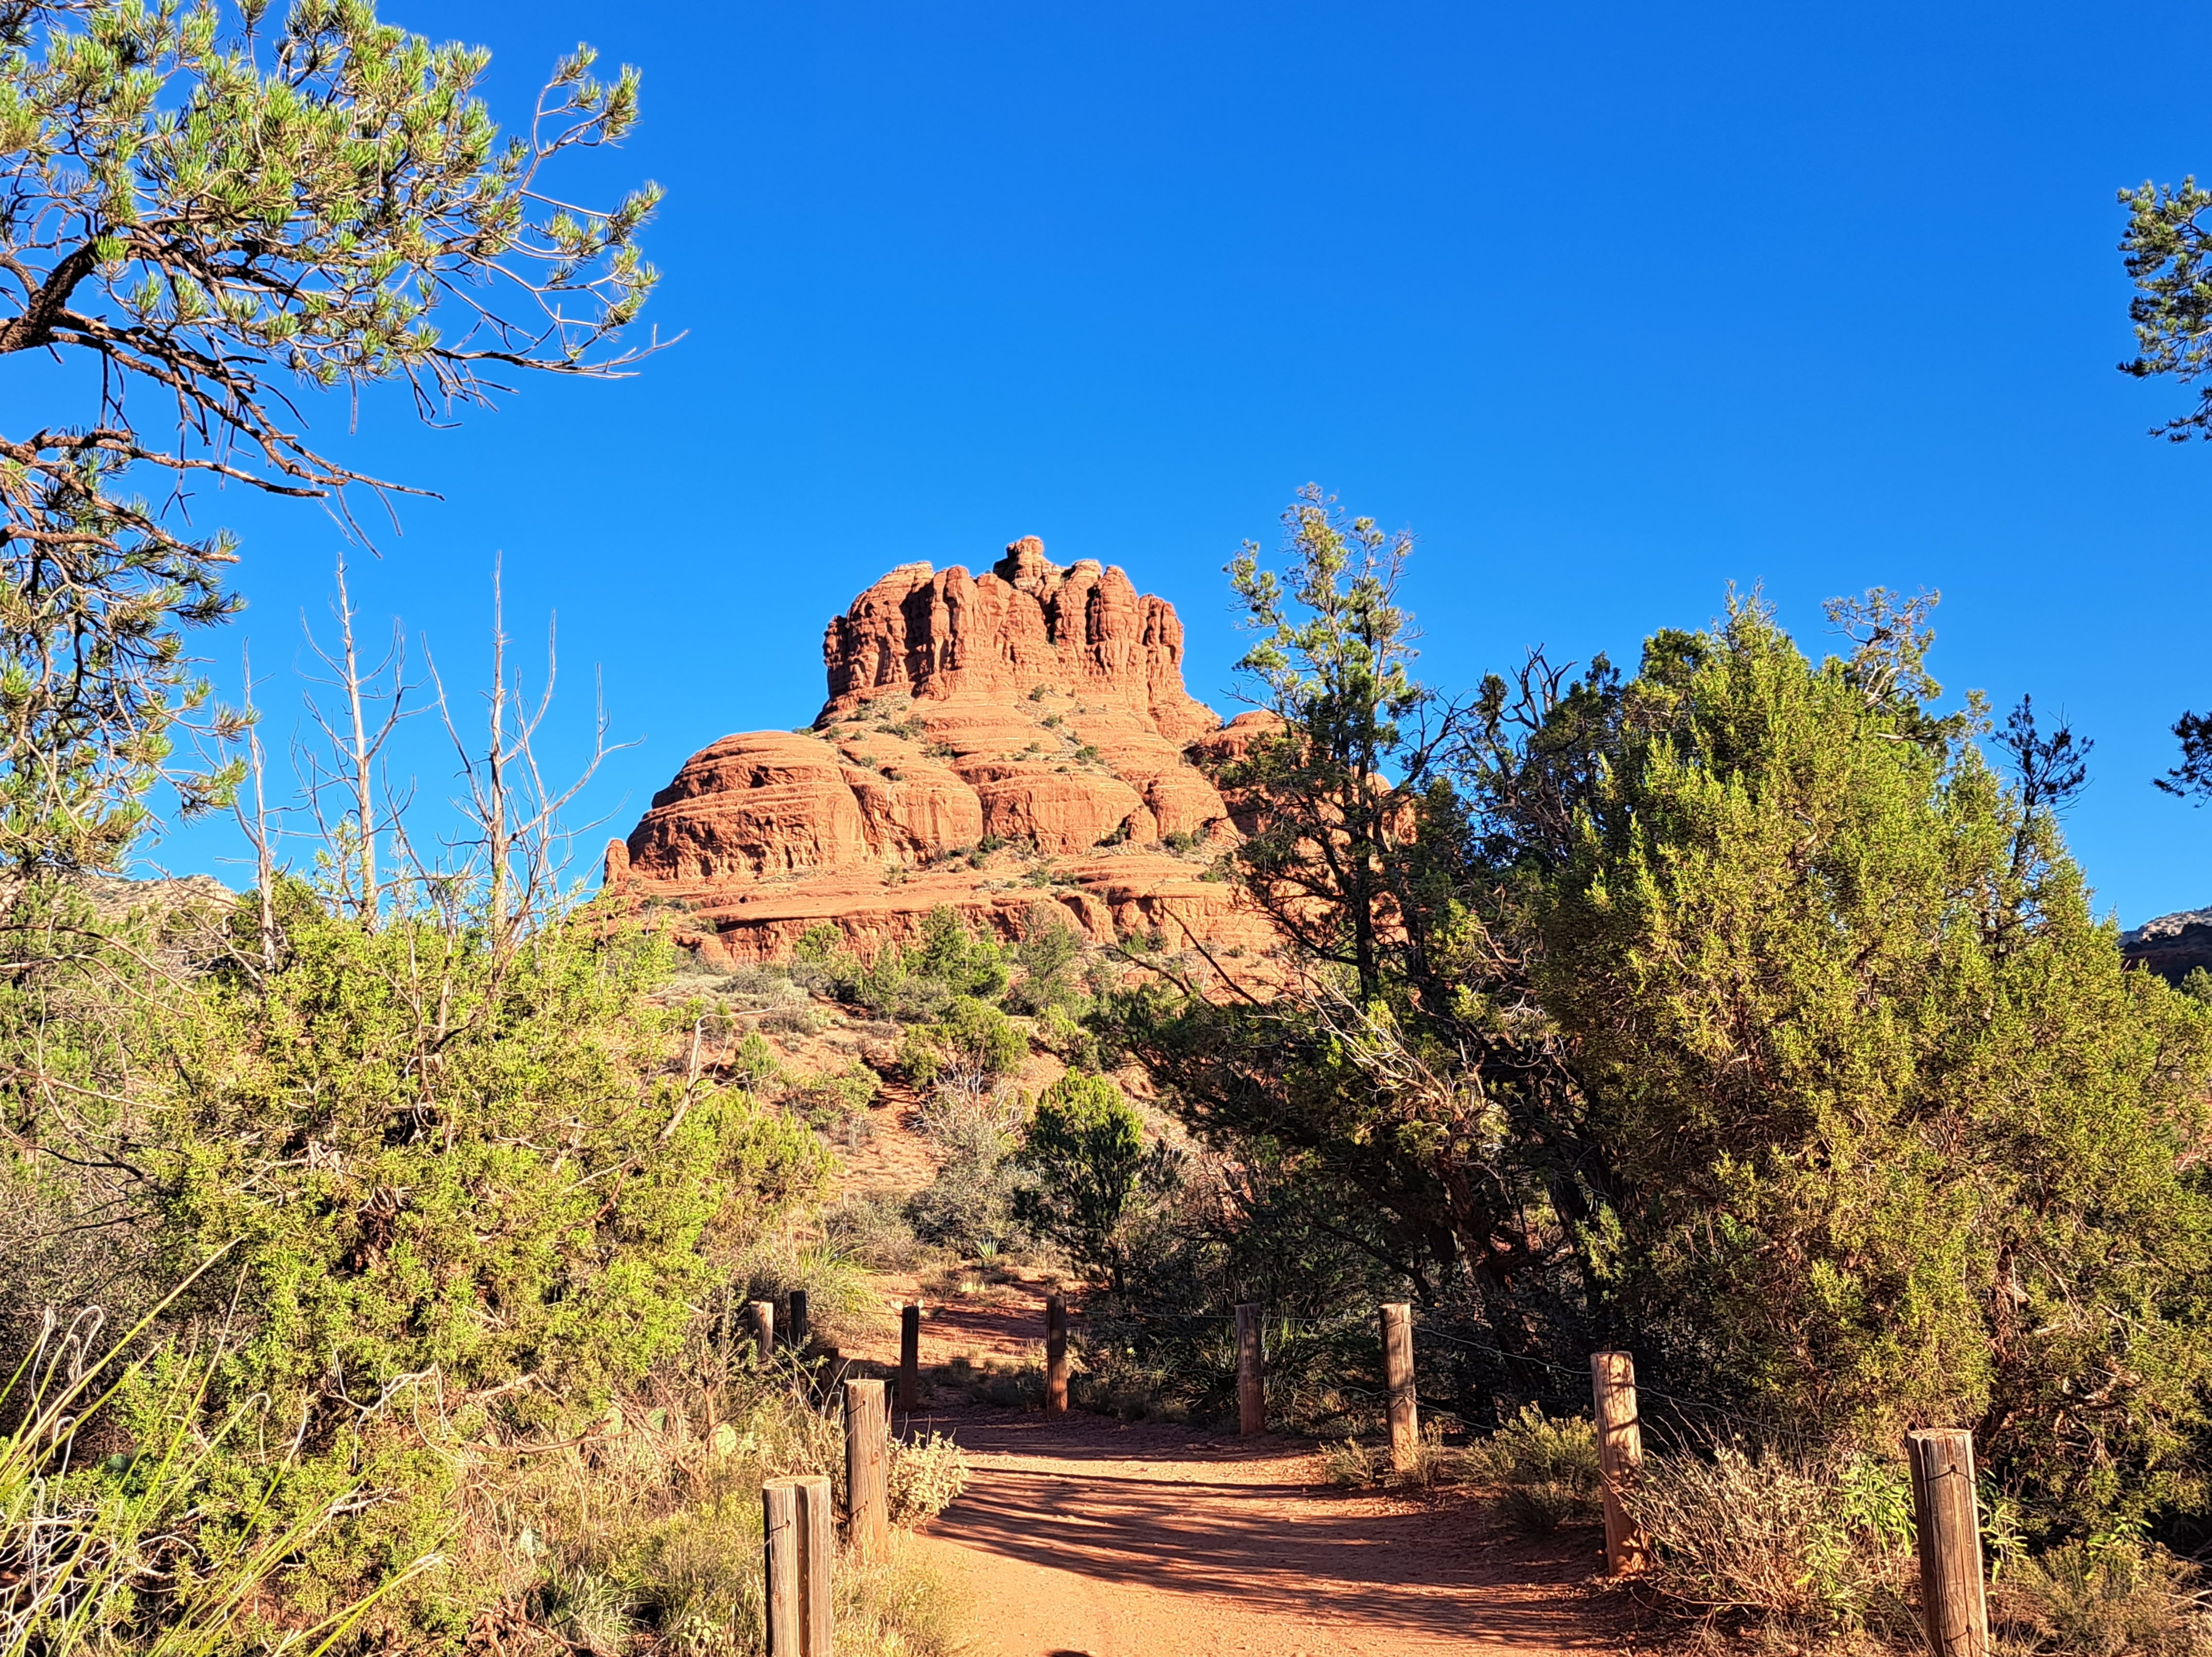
(909, 1385)
(1055, 1354)
(1620, 1457)
(760, 1324)
(867, 1454)
(781, 1540)
(1947, 1520)
(1398, 1378)
(817, 1547)
(1251, 1381)
(795, 1337)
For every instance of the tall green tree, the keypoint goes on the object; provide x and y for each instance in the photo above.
(1406, 1048)
(208, 212)
(1328, 785)
(2170, 261)
(1740, 1012)
(1895, 1138)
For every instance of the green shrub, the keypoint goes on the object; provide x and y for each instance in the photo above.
(179, 1540)
(1084, 1152)
(832, 1103)
(918, 982)
(1817, 1541)
(2104, 1597)
(1049, 954)
(926, 1476)
(1533, 1447)
(458, 1179)
(970, 1048)
(1545, 1469)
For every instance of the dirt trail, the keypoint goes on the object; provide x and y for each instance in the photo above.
(1081, 1536)
(1084, 1537)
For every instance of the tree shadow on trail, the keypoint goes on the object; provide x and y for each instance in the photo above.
(1431, 1571)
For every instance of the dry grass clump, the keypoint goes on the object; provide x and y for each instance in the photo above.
(641, 1531)
(1817, 1542)
(871, 1228)
(1815, 1551)
(842, 1305)
(2102, 1598)
(1351, 1465)
(1545, 1469)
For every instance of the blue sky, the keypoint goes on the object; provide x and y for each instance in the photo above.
(1612, 305)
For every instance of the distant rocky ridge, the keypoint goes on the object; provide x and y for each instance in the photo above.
(994, 743)
(2172, 945)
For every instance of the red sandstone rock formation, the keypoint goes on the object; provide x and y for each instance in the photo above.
(991, 743)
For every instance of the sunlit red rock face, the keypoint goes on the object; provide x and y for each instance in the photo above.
(994, 743)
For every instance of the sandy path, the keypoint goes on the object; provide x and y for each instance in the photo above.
(1081, 1536)
(1084, 1537)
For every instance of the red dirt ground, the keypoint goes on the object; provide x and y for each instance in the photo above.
(1084, 1537)
(1081, 1536)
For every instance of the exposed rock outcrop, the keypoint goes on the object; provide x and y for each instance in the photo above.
(993, 742)
(2171, 945)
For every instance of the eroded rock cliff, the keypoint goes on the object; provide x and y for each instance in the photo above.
(994, 743)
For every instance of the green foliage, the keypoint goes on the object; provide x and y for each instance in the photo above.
(1894, 1137)
(202, 208)
(836, 1102)
(1050, 956)
(964, 964)
(970, 1048)
(532, 1086)
(916, 983)
(1332, 658)
(1085, 1150)
(2171, 310)
(2104, 1597)
(1738, 1013)
(1545, 1467)
(926, 1475)
(127, 1552)
(455, 1180)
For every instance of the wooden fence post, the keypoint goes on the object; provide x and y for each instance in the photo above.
(1619, 1456)
(1398, 1378)
(817, 1547)
(780, 1539)
(1055, 1354)
(867, 1452)
(909, 1385)
(795, 1337)
(1251, 1382)
(760, 1321)
(1947, 1520)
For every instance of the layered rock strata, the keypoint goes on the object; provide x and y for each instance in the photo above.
(993, 742)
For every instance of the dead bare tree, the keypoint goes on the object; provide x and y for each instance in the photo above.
(372, 705)
(210, 214)
(518, 850)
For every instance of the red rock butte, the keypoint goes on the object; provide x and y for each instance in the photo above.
(994, 743)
